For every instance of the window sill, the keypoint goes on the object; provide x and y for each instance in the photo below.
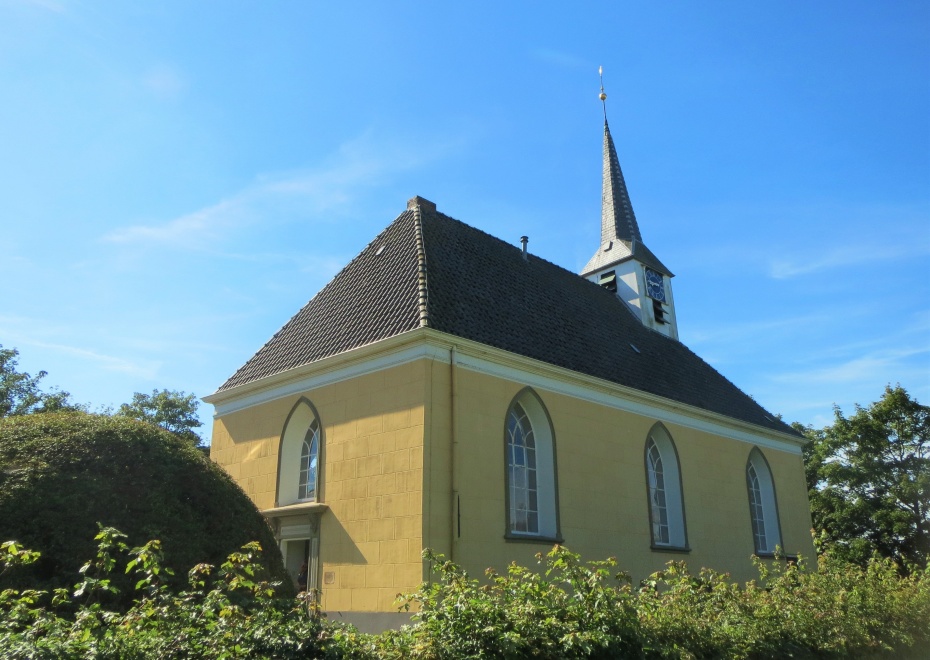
(530, 538)
(675, 549)
(777, 555)
(296, 509)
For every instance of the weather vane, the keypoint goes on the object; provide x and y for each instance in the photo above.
(602, 96)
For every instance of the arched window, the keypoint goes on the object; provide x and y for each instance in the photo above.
(309, 456)
(763, 509)
(663, 480)
(299, 456)
(532, 509)
(524, 486)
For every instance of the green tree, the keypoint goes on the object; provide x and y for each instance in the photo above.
(20, 393)
(174, 411)
(869, 480)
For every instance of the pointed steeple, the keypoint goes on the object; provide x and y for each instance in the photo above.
(618, 222)
(623, 264)
(620, 236)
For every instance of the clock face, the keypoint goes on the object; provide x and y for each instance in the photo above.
(655, 285)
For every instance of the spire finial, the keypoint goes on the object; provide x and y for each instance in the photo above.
(602, 96)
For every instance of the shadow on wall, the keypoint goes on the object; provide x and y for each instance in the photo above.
(339, 548)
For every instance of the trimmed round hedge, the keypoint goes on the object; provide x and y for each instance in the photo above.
(63, 473)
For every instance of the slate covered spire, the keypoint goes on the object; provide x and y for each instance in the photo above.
(618, 222)
(620, 235)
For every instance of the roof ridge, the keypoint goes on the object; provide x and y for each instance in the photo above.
(422, 285)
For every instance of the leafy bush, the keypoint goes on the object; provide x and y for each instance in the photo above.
(225, 612)
(568, 609)
(575, 610)
(61, 473)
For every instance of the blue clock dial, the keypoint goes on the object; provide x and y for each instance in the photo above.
(655, 285)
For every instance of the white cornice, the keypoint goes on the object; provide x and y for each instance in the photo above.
(391, 352)
(503, 364)
(432, 344)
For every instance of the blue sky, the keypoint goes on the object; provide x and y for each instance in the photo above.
(176, 181)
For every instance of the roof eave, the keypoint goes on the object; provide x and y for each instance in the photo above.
(430, 343)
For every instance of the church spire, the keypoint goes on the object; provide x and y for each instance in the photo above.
(618, 222)
(623, 264)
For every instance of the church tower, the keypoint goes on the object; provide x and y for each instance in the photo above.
(623, 264)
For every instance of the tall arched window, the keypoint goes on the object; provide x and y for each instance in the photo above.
(663, 480)
(309, 457)
(300, 456)
(532, 509)
(763, 509)
(524, 486)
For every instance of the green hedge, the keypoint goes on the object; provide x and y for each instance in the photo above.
(564, 609)
(62, 473)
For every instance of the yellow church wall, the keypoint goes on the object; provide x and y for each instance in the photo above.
(245, 444)
(388, 481)
(601, 481)
(372, 480)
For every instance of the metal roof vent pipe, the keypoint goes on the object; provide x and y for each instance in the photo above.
(523, 241)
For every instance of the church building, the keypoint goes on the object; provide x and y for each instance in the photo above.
(449, 390)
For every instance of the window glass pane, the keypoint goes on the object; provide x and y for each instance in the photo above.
(755, 509)
(657, 501)
(530, 440)
(522, 472)
(309, 456)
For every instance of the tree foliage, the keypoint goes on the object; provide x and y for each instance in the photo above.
(174, 411)
(869, 480)
(21, 394)
(62, 473)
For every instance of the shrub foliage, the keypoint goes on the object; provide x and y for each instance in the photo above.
(566, 609)
(62, 473)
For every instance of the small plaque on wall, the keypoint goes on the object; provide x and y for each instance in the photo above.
(329, 577)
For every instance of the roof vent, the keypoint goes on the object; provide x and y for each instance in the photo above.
(380, 250)
(424, 204)
(523, 241)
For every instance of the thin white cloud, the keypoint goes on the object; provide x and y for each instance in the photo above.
(850, 255)
(147, 369)
(164, 81)
(358, 164)
(873, 367)
(809, 395)
(732, 333)
(198, 226)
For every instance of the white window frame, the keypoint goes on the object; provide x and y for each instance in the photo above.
(763, 505)
(309, 463)
(535, 425)
(292, 464)
(665, 496)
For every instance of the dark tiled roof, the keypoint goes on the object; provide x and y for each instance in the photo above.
(374, 297)
(481, 288)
